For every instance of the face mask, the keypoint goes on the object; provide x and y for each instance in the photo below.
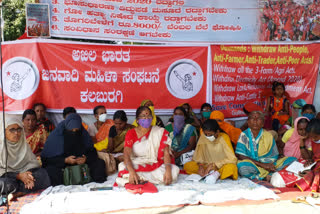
(211, 138)
(178, 124)
(309, 116)
(103, 117)
(206, 114)
(317, 142)
(145, 123)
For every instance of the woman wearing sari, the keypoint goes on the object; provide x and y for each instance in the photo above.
(155, 119)
(311, 179)
(118, 132)
(257, 151)
(147, 153)
(213, 152)
(183, 136)
(40, 110)
(229, 129)
(99, 131)
(36, 136)
(23, 174)
(117, 135)
(296, 141)
(70, 144)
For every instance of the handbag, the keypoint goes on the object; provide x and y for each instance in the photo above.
(144, 187)
(76, 175)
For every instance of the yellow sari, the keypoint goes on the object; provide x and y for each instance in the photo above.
(219, 152)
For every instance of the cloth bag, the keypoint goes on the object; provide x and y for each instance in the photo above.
(146, 187)
(76, 175)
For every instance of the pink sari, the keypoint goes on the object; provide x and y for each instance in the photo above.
(292, 146)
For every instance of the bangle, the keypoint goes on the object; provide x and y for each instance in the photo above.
(167, 164)
(302, 147)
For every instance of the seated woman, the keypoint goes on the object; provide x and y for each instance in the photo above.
(24, 174)
(147, 153)
(118, 132)
(229, 129)
(156, 121)
(117, 135)
(68, 110)
(309, 111)
(296, 142)
(40, 110)
(296, 110)
(205, 112)
(183, 136)
(70, 144)
(311, 179)
(99, 130)
(257, 151)
(192, 118)
(36, 135)
(213, 152)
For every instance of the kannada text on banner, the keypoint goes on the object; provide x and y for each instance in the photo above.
(86, 75)
(156, 20)
(244, 73)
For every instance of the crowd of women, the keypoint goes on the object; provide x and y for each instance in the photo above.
(36, 152)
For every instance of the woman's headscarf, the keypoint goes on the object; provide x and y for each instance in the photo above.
(20, 156)
(154, 117)
(54, 145)
(232, 131)
(292, 146)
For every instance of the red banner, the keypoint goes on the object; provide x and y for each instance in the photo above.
(244, 73)
(83, 75)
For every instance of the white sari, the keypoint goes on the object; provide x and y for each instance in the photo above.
(144, 153)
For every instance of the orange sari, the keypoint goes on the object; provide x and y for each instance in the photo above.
(103, 135)
(37, 139)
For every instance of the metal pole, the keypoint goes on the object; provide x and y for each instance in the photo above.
(2, 23)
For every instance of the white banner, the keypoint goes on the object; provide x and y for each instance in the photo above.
(156, 20)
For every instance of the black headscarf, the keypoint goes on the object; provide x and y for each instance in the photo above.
(64, 142)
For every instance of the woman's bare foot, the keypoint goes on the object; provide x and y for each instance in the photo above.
(13, 196)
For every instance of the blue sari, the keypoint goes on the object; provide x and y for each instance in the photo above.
(263, 149)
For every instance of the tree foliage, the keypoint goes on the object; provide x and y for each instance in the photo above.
(14, 15)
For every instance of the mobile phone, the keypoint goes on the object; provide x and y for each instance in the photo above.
(100, 188)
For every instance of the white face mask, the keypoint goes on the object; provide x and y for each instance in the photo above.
(103, 117)
(211, 138)
(318, 141)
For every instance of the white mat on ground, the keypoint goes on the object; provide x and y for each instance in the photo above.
(79, 199)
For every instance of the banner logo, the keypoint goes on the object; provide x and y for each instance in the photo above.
(20, 77)
(184, 78)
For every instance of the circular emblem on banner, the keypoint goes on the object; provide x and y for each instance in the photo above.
(20, 78)
(184, 78)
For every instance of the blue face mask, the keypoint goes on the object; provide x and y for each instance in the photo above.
(309, 116)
